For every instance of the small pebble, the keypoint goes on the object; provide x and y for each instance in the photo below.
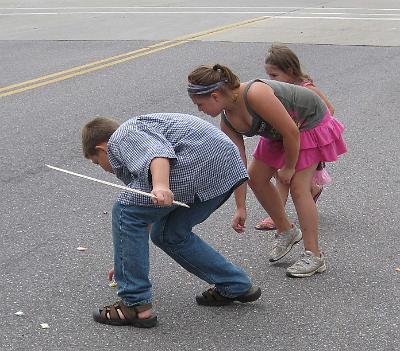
(81, 248)
(19, 313)
(44, 326)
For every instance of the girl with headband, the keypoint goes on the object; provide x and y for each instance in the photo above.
(296, 131)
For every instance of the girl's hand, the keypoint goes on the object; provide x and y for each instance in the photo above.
(239, 219)
(164, 196)
(285, 175)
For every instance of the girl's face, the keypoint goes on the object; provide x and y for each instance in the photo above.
(275, 73)
(211, 105)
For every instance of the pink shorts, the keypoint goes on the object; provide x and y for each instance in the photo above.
(324, 143)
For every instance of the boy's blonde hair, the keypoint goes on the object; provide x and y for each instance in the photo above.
(96, 132)
(286, 60)
(207, 75)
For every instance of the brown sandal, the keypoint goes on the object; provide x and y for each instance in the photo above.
(211, 297)
(119, 314)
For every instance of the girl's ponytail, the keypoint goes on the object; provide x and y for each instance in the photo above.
(214, 75)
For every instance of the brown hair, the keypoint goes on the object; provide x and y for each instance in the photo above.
(206, 75)
(95, 132)
(286, 60)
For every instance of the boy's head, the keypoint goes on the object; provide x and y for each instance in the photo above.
(95, 136)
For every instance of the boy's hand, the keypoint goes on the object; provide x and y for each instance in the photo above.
(239, 219)
(164, 196)
(110, 274)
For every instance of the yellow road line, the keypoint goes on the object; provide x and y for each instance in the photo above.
(78, 68)
(79, 73)
(114, 60)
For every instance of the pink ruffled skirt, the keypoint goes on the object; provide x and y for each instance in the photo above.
(324, 143)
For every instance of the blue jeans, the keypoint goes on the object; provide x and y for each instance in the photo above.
(172, 232)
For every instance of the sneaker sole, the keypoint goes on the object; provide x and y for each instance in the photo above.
(303, 275)
(287, 250)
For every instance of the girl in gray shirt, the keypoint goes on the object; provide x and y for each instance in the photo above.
(296, 131)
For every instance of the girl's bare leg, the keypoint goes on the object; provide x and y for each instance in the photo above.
(283, 191)
(306, 208)
(267, 194)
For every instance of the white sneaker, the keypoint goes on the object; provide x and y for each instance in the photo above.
(284, 242)
(307, 265)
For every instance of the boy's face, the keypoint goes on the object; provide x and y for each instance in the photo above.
(101, 158)
(275, 73)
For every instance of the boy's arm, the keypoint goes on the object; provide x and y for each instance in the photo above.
(159, 169)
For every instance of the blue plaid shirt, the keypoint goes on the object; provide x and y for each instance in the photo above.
(204, 162)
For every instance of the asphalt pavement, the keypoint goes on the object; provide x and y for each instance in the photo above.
(63, 62)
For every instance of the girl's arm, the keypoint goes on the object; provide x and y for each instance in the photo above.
(263, 101)
(238, 222)
(237, 140)
(323, 97)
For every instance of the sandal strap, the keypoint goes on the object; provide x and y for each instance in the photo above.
(132, 311)
(114, 311)
(110, 313)
(267, 221)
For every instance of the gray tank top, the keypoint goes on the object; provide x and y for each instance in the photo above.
(304, 106)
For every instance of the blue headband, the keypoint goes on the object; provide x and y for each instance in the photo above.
(194, 89)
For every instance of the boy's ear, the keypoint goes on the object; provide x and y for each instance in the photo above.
(102, 147)
(214, 95)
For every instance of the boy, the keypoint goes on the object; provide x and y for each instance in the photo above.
(175, 157)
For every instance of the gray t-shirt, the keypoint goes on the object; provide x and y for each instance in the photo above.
(204, 162)
(305, 107)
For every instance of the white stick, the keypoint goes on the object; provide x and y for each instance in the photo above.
(114, 185)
